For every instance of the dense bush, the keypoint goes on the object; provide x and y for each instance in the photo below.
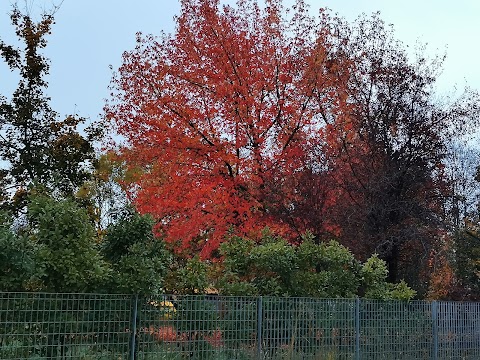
(324, 270)
(138, 258)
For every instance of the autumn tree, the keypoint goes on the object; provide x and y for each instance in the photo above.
(36, 148)
(389, 161)
(249, 117)
(222, 111)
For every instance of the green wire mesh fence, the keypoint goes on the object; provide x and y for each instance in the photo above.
(101, 326)
(60, 326)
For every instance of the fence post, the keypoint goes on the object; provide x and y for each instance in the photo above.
(133, 326)
(435, 329)
(357, 328)
(259, 327)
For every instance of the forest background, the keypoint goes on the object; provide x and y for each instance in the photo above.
(254, 150)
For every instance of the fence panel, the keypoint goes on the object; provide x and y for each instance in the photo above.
(197, 327)
(116, 327)
(394, 330)
(303, 328)
(458, 330)
(61, 326)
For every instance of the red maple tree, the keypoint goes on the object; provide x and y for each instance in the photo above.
(221, 117)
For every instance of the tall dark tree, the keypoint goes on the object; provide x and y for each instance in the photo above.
(36, 148)
(390, 159)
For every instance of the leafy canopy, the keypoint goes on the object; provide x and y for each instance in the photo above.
(219, 110)
(68, 256)
(36, 148)
(326, 270)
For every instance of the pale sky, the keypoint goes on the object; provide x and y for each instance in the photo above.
(90, 35)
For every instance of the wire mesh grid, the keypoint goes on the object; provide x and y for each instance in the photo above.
(64, 326)
(458, 330)
(108, 327)
(197, 327)
(394, 330)
(304, 328)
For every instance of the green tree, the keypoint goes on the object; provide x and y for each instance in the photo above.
(68, 256)
(17, 258)
(374, 273)
(102, 195)
(188, 276)
(138, 258)
(35, 146)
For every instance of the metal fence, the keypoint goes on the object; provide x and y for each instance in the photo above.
(108, 327)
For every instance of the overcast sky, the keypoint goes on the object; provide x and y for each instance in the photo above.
(90, 35)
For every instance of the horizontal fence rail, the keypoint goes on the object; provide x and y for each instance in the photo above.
(114, 327)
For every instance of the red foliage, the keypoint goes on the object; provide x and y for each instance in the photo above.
(215, 339)
(163, 333)
(250, 117)
(222, 117)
